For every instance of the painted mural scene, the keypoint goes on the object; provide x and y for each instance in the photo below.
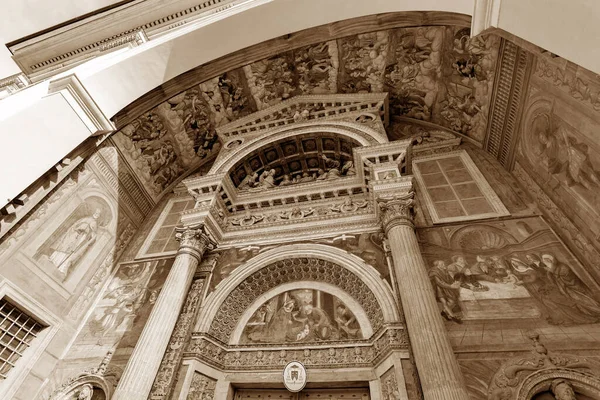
(512, 270)
(302, 316)
(262, 200)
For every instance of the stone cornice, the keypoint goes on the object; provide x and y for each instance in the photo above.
(82, 103)
(62, 48)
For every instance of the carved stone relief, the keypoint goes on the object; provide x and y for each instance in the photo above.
(389, 385)
(363, 59)
(349, 206)
(161, 144)
(522, 377)
(202, 387)
(165, 378)
(468, 82)
(359, 353)
(90, 384)
(413, 79)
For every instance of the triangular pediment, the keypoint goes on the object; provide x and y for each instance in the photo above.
(308, 108)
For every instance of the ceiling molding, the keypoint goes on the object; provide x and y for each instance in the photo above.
(82, 103)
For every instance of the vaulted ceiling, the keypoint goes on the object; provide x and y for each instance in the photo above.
(432, 73)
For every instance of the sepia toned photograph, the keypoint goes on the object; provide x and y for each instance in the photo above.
(298, 200)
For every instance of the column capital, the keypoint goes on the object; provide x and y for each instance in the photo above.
(396, 209)
(193, 240)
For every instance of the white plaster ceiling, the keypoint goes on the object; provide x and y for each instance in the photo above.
(25, 17)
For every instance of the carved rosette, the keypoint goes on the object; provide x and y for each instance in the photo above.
(193, 240)
(396, 210)
(166, 376)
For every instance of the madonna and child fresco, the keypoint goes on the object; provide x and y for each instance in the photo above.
(299, 316)
(504, 270)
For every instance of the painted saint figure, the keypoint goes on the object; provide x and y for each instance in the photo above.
(447, 290)
(75, 242)
(570, 286)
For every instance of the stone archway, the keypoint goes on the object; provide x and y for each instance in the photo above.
(329, 264)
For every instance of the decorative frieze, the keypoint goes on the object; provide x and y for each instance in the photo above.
(33, 54)
(365, 353)
(581, 85)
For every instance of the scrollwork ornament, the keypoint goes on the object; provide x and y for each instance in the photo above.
(397, 210)
(522, 377)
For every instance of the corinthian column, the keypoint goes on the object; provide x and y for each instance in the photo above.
(138, 376)
(439, 372)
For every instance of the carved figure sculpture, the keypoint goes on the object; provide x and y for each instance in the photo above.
(86, 393)
(267, 179)
(286, 181)
(332, 165)
(321, 175)
(562, 390)
(75, 242)
(348, 168)
(540, 363)
(306, 177)
(249, 181)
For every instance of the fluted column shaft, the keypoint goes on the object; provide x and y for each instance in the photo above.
(441, 378)
(140, 371)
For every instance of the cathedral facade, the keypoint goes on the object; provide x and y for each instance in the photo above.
(388, 207)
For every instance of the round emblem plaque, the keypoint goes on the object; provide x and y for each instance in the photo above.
(294, 376)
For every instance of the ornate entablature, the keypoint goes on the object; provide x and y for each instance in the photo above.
(363, 353)
(300, 165)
